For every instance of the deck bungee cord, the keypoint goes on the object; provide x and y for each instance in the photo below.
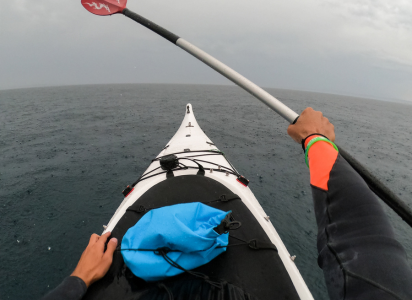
(252, 244)
(171, 163)
(222, 198)
(108, 7)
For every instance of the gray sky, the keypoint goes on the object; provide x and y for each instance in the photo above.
(351, 47)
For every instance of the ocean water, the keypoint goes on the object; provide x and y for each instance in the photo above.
(66, 153)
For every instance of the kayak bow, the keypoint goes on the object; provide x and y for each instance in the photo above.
(202, 173)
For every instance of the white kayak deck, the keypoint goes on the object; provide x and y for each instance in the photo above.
(191, 136)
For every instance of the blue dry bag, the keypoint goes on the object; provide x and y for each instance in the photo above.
(186, 229)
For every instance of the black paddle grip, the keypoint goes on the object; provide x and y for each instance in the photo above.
(383, 192)
(152, 26)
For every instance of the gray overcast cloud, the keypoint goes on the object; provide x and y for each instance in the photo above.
(351, 47)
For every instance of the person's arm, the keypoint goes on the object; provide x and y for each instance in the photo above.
(358, 252)
(93, 265)
(71, 288)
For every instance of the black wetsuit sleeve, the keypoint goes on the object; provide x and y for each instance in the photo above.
(72, 288)
(358, 252)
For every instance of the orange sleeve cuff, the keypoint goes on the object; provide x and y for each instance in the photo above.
(322, 157)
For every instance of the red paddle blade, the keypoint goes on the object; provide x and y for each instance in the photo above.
(104, 7)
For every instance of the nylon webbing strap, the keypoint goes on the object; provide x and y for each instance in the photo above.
(259, 245)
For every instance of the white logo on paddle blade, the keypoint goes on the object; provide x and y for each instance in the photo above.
(98, 7)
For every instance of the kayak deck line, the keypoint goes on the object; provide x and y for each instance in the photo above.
(217, 165)
(226, 170)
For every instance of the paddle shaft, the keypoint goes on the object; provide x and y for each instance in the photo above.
(218, 66)
(289, 115)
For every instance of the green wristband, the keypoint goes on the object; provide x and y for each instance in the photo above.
(314, 140)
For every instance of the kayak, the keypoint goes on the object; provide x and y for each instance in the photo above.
(189, 169)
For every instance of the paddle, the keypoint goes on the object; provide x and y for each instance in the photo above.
(110, 7)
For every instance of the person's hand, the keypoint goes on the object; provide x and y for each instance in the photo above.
(95, 262)
(309, 122)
